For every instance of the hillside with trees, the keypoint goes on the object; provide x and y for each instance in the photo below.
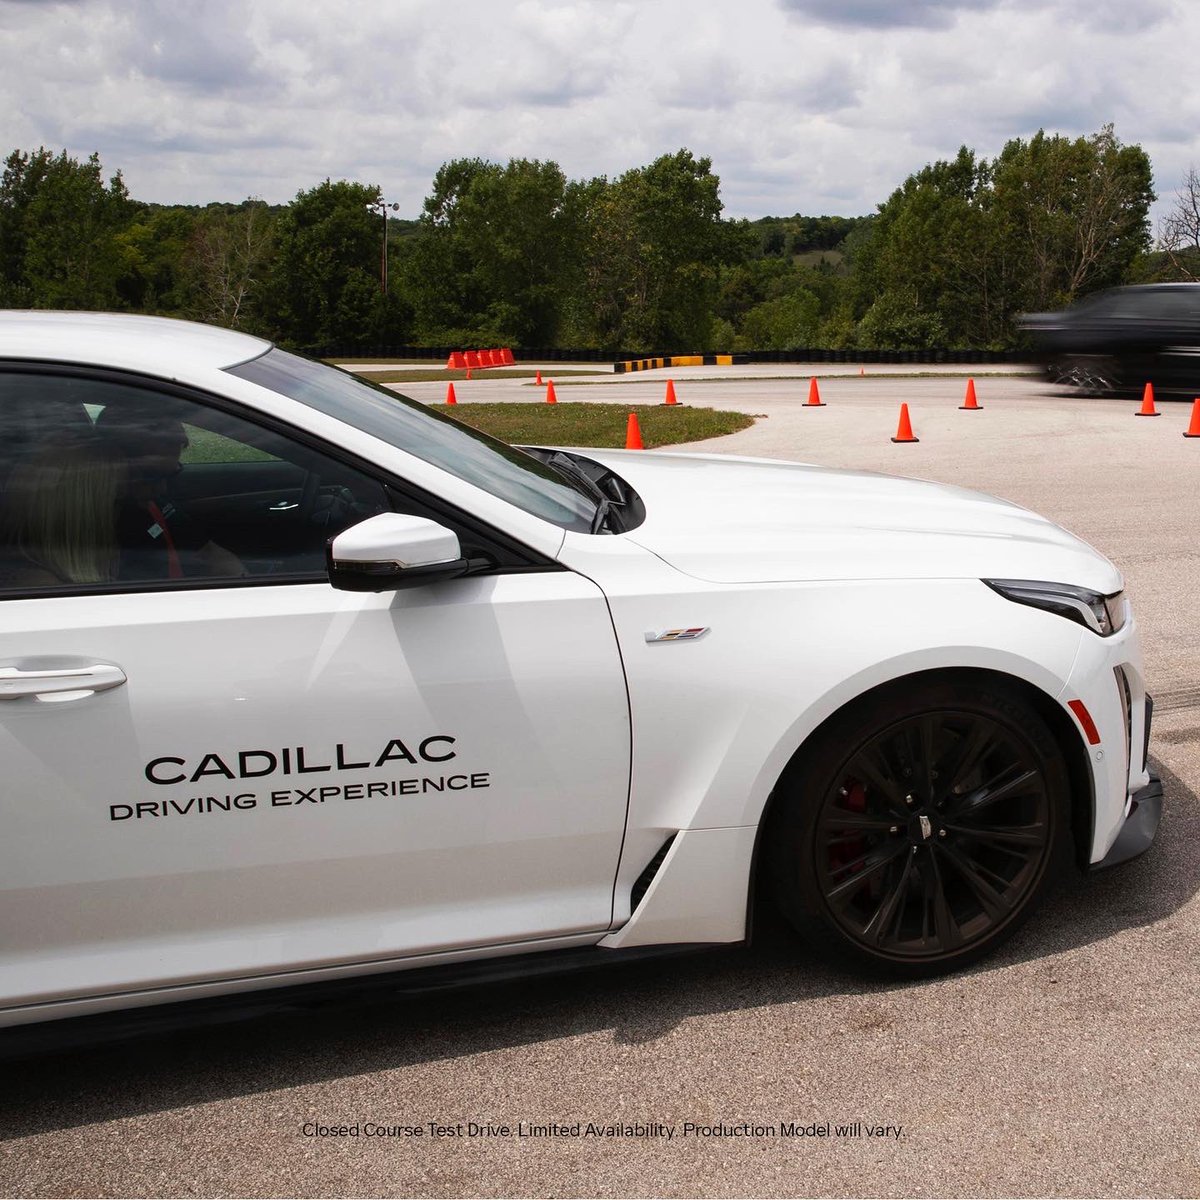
(518, 254)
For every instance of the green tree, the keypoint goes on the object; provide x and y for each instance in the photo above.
(499, 255)
(742, 285)
(722, 336)
(1179, 234)
(227, 259)
(1074, 213)
(655, 242)
(785, 323)
(930, 254)
(965, 245)
(896, 322)
(59, 226)
(325, 288)
(439, 278)
(154, 249)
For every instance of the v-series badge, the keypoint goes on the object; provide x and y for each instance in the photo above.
(295, 760)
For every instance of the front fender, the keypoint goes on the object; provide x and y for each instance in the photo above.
(717, 719)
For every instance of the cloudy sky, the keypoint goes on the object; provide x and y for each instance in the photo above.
(811, 106)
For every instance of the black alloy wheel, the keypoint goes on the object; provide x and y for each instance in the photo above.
(1087, 375)
(924, 830)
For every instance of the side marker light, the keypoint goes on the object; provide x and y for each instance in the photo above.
(1085, 719)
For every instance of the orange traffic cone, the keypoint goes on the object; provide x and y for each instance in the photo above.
(904, 431)
(862, 370)
(538, 380)
(1193, 430)
(633, 434)
(970, 404)
(814, 395)
(551, 398)
(670, 393)
(1148, 409)
(451, 398)
(468, 372)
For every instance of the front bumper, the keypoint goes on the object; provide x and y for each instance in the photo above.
(1141, 824)
(1107, 680)
(1145, 807)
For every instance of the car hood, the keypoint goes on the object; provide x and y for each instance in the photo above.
(738, 520)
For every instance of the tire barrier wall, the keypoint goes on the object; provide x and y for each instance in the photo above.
(679, 360)
(815, 355)
(535, 354)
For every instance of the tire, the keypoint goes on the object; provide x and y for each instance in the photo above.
(924, 828)
(1087, 375)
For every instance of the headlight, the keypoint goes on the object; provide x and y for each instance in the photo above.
(1104, 615)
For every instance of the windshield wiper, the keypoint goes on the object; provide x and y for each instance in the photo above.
(606, 515)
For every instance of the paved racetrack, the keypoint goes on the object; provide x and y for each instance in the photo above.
(1068, 1064)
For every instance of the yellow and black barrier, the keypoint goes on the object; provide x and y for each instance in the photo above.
(678, 360)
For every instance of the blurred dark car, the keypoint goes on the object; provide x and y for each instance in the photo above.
(1118, 340)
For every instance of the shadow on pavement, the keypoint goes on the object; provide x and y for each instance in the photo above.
(359, 1032)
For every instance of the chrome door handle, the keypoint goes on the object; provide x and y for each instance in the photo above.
(36, 677)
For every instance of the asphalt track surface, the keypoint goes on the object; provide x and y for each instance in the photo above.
(1066, 1065)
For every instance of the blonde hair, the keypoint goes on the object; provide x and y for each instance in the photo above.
(62, 508)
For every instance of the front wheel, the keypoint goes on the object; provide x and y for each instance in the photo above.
(924, 828)
(1087, 375)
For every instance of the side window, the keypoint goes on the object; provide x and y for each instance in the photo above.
(107, 484)
(1159, 306)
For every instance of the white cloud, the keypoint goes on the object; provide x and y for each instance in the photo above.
(803, 105)
(885, 14)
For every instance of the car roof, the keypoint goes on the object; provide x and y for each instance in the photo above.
(157, 345)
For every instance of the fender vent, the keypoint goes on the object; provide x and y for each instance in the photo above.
(1126, 715)
(643, 881)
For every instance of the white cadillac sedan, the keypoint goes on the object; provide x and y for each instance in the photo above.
(301, 680)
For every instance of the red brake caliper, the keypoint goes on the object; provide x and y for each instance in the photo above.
(852, 849)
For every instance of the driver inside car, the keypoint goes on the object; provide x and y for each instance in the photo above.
(157, 538)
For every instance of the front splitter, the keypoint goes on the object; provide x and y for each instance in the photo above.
(1140, 826)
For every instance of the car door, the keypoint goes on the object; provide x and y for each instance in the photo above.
(243, 773)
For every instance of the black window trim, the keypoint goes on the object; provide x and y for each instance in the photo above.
(495, 543)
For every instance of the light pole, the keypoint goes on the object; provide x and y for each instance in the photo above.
(382, 205)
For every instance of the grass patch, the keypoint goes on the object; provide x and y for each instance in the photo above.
(204, 446)
(544, 424)
(597, 424)
(814, 258)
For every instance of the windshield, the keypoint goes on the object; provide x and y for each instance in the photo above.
(497, 468)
